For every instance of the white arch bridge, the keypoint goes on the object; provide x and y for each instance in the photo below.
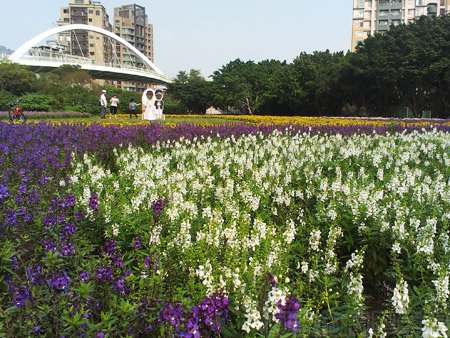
(136, 67)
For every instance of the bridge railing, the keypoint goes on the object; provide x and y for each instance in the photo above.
(70, 59)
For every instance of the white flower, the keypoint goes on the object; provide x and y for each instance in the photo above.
(400, 298)
(396, 247)
(433, 329)
(442, 291)
(314, 240)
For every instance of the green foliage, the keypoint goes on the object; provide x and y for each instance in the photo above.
(17, 79)
(38, 102)
(5, 100)
(192, 91)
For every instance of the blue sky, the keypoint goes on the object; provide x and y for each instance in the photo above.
(207, 34)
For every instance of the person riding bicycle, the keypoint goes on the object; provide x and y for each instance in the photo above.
(15, 112)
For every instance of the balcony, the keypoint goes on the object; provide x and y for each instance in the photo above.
(389, 4)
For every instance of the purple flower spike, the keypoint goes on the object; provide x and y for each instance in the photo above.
(272, 280)
(93, 202)
(157, 206)
(288, 313)
(4, 193)
(137, 243)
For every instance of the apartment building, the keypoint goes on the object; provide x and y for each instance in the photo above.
(131, 24)
(86, 44)
(372, 16)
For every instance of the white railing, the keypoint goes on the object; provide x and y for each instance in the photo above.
(70, 59)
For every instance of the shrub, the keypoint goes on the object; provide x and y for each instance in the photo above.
(38, 102)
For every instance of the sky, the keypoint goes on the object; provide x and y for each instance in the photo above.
(207, 34)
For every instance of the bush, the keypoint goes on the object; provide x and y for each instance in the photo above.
(5, 99)
(38, 102)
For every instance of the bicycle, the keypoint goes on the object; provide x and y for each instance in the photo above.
(16, 112)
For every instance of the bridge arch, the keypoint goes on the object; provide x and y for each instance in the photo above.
(22, 50)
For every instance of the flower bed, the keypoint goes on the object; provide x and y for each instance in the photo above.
(39, 115)
(235, 230)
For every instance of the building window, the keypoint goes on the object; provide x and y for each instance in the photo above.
(395, 12)
(91, 11)
(66, 19)
(396, 22)
(367, 24)
(97, 12)
(65, 11)
(368, 14)
(410, 2)
(411, 12)
(90, 20)
(358, 14)
(384, 12)
(92, 53)
(359, 3)
(383, 22)
(359, 34)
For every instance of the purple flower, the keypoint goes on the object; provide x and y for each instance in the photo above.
(20, 296)
(110, 247)
(118, 261)
(60, 281)
(50, 246)
(49, 221)
(288, 313)
(172, 314)
(4, 193)
(36, 329)
(120, 285)
(14, 262)
(158, 205)
(150, 264)
(67, 250)
(44, 180)
(34, 274)
(104, 273)
(100, 335)
(68, 229)
(69, 201)
(79, 216)
(272, 280)
(93, 202)
(137, 243)
(84, 276)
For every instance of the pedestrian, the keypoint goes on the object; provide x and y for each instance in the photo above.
(132, 107)
(113, 108)
(103, 103)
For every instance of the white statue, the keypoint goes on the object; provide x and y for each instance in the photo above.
(148, 104)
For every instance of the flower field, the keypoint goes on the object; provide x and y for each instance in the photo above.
(231, 230)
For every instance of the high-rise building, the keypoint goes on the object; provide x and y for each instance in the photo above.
(92, 45)
(131, 24)
(372, 16)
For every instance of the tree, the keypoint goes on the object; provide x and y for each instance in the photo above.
(16, 79)
(191, 90)
(318, 76)
(409, 60)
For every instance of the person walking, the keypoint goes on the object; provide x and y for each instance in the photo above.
(132, 107)
(113, 107)
(103, 103)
